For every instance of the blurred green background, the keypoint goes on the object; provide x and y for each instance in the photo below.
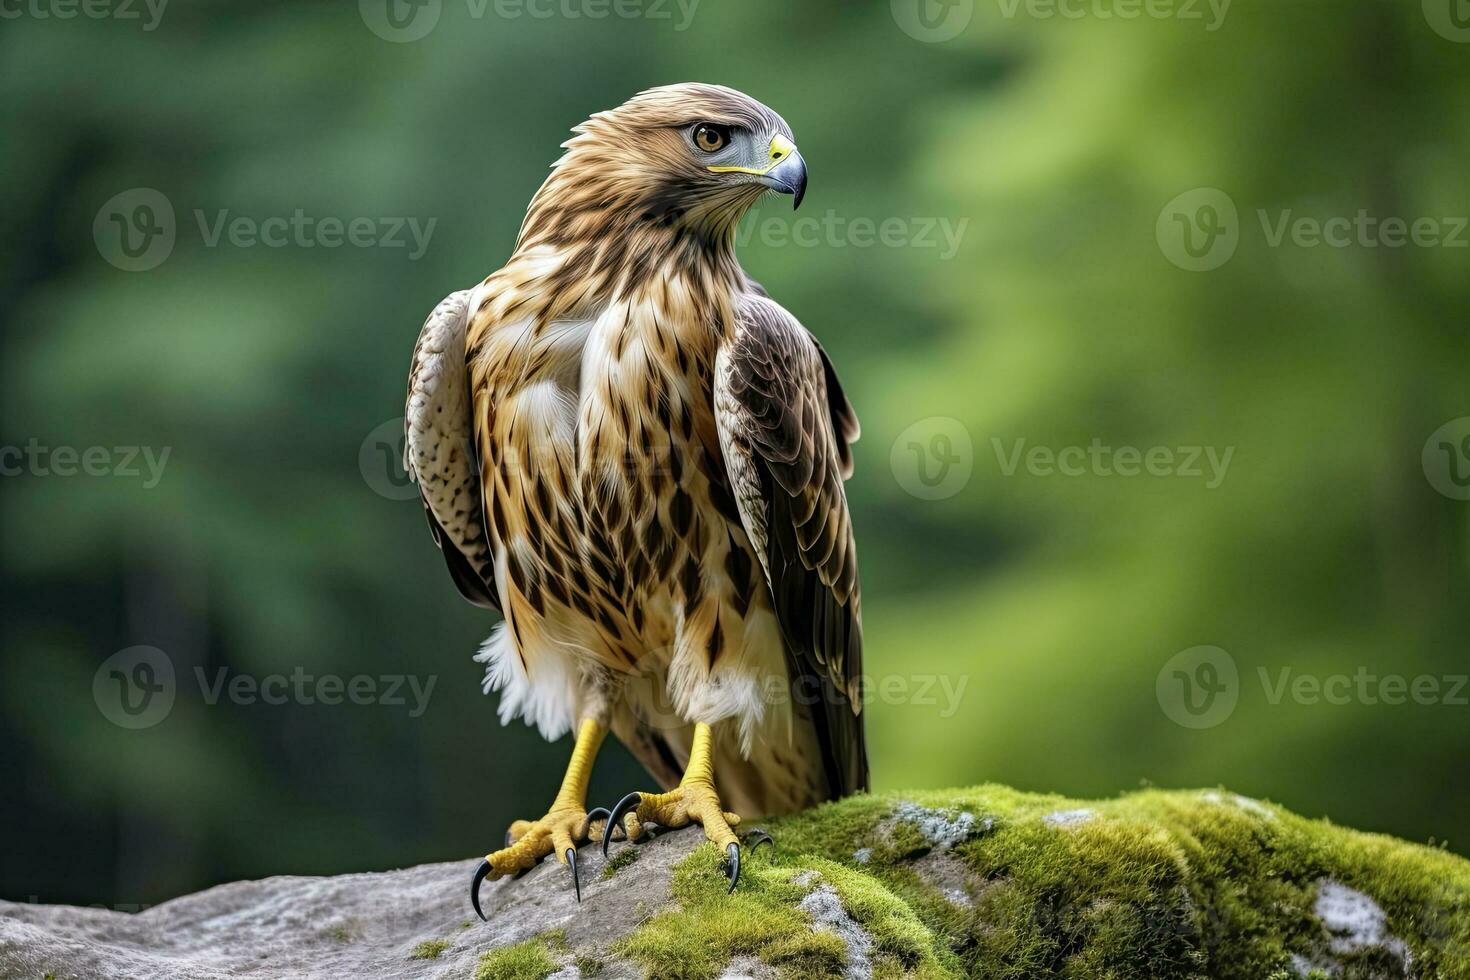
(1067, 314)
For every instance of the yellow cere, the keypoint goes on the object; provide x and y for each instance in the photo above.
(781, 148)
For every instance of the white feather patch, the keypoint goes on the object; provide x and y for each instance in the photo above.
(549, 703)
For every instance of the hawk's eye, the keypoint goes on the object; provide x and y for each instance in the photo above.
(711, 137)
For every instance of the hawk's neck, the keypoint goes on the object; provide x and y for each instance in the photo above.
(599, 243)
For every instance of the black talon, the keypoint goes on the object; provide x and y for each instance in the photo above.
(480, 873)
(624, 805)
(576, 881)
(599, 814)
(759, 836)
(732, 865)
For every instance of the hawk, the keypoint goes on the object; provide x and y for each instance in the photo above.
(632, 452)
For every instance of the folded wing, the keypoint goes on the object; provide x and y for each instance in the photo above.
(785, 431)
(439, 450)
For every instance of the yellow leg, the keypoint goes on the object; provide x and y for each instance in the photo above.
(694, 800)
(564, 826)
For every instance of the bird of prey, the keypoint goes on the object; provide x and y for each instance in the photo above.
(637, 456)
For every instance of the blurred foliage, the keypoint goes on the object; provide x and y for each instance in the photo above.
(1053, 142)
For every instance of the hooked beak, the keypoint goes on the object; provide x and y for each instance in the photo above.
(785, 171)
(788, 177)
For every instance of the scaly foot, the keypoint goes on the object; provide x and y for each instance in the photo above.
(690, 802)
(566, 825)
(528, 841)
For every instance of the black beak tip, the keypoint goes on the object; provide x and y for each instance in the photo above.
(480, 873)
(797, 195)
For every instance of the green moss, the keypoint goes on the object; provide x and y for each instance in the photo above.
(709, 928)
(342, 932)
(588, 966)
(429, 949)
(1170, 885)
(534, 959)
(618, 862)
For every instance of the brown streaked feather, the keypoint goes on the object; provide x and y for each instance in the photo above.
(780, 425)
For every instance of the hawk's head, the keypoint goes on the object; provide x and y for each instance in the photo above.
(692, 156)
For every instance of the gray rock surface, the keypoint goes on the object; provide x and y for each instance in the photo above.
(361, 925)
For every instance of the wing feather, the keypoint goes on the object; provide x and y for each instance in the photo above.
(439, 450)
(785, 433)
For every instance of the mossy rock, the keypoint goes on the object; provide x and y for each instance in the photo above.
(993, 883)
(985, 882)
